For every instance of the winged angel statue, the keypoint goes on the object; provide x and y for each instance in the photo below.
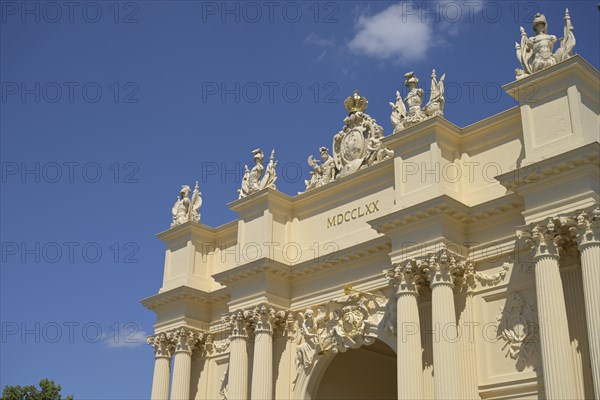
(536, 53)
(186, 209)
(402, 117)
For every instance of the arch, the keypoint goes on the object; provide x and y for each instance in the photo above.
(308, 380)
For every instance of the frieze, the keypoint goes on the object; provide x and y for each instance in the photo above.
(354, 213)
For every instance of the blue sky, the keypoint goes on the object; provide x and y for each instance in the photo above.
(109, 107)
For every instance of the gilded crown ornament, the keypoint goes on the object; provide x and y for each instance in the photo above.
(358, 145)
(356, 103)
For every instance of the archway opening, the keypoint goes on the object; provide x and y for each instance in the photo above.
(368, 372)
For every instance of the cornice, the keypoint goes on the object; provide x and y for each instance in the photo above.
(534, 174)
(436, 125)
(184, 293)
(365, 249)
(261, 266)
(554, 73)
(198, 229)
(265, 198)
(447, 206)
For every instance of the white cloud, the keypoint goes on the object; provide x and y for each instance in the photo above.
(129, 335)
(392, 34)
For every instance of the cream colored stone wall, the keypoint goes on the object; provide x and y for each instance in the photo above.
(480, 195)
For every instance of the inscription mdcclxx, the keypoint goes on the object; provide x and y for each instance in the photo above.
(355, 213)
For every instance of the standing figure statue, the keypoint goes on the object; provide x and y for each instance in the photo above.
(321, 174)
(253, 179)
(402, 118)
(536, 53)
(414, 99)
(184, 209)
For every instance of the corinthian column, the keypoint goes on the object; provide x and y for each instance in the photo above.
(557, 361)
(238, 355)
(588, 238)
(409, 361)
(262, 366)
(443, 317)
(163, 349)
(185, 342)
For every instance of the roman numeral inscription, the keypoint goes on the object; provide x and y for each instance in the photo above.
(355, 213)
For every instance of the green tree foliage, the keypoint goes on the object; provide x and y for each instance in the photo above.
(48, 391)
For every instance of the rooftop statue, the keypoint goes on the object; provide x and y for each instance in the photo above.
(536, 53)
(257, 178)
(402, 118)
(357, 146)
(184, 209)
(321, 174)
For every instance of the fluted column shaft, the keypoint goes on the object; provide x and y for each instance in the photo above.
(588, 237)
(469, 358)
(182, 372)
(557, 361)
(590, 271)
(162, 366)
(559, 379)
(409, 359)
(445, 338)
(185, 343)
(238, 357)
(262, 367)
(445, 351)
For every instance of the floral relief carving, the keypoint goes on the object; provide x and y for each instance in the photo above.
(518, 328)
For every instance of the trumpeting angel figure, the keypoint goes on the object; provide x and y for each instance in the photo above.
(186, 209)
(536, 53)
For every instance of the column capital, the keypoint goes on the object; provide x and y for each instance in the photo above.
(264, 319)
(186, 340)
(442, 268)
(587, 228)
(162, 344)
(240, 324)
(550, 238)
(407, 278)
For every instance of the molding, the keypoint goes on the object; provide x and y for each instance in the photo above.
(447, 206)
(536, 174)
(575, 63)
(261, 266)
(184, 293)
